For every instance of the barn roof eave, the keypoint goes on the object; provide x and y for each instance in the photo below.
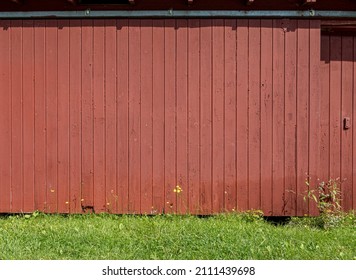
(181, 14)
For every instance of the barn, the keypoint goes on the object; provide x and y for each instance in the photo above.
(181, 106)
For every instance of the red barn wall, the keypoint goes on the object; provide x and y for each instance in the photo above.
(338, 102)
(112, 115)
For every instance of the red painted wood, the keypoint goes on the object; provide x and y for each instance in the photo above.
(231, 111)
(123, 115)
(170, 115)
(354, 130)
(218, 92)
(254, 114)
(63, 116)
(182, 115)
(242, 114)
(314, 65)
(278, 117)
(134, 117)
(266, 116)
(194, 44)
(16, 117)
(206, 115)
(335, 62)
(5, 118)
(110, 89)
(290, 132)
(87, 145)
(335, 106)
(99, 96)
(230, 116)
(40, 117)
(28, 113)
(302, 107)
(158, 205)
(51, 94)
(75, 116)
(337, 69)
(324, 108)
(346, 111)
(146, 115)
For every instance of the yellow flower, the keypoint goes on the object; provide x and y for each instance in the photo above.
(177, 189)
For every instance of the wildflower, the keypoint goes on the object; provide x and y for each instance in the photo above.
(177, 189)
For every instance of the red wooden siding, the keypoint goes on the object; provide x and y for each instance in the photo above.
(112, 115)
(338, 145)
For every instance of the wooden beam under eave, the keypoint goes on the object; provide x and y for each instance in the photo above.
(73, 2)
(308, 2)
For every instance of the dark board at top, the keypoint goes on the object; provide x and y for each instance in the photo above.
(33, 5)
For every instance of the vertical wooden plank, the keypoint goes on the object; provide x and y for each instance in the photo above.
(146, 115)
(158, 117)
(242, 114)
(346, 112)
(303, 114)
(28, 115)
(335, 106)
(278, 117)
(266, 116)
(254, 113)
(193, 116)
(134, 116)
(354, 128)
(52, 114)
(63, 116)
(16, 117)
(324, 106)
(122, 115)
(169, 114)
(5, 117)
(182, 111)
(75, 113)
(40, 117)
(99, 116)
(290, 116)
(206, 115)
(314, 156)
(218, 115)
(230, 115)
(111, 116)
(87, 199)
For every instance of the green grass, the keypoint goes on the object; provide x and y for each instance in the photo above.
(232, 236)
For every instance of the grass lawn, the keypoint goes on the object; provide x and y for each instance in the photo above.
(231, 236)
